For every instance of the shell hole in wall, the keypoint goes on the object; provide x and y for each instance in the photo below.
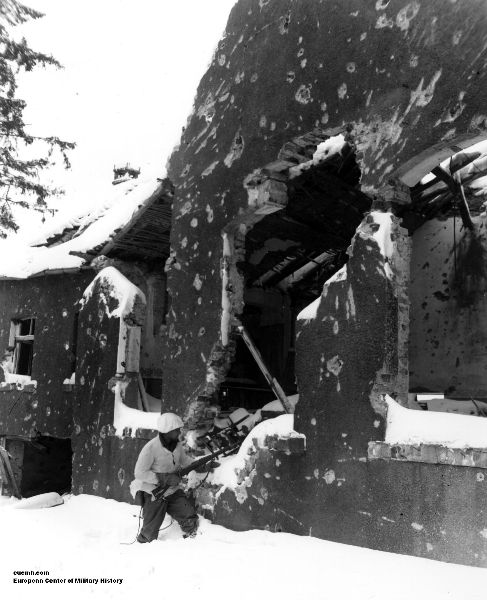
(289, 254)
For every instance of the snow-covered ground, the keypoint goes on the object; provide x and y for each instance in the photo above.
(85, 538)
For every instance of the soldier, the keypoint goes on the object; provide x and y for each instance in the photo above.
(159, 463)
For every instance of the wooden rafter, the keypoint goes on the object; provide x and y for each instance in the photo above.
(458, 193)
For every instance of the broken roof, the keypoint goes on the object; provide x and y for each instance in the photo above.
(132, 222)
(298, 246)
(436, 195)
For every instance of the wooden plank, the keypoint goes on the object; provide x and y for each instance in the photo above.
(272, 381)
(7, 469)
(457, 190)
(159, 192)
(142, 392)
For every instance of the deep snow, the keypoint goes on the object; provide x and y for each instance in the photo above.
(83, 538)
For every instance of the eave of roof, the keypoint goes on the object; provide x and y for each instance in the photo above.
(96, 233)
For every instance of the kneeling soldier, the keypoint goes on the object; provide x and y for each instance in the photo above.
(158, 463)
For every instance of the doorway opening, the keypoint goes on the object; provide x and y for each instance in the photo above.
(42, 464)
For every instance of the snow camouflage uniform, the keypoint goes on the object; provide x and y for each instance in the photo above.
(154, 462)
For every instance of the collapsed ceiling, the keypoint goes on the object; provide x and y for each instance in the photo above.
(297, 248)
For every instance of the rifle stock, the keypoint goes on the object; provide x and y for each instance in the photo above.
(160, 490)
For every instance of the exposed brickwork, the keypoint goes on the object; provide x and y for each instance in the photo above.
(395, 192)
(429, 453)
(288, 445)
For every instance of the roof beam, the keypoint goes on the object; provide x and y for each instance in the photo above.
(458, 194)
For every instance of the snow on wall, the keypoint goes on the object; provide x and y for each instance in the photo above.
(332, 145)
(95, 229)
(310, 311)
(227, 474)
(125, 417)
(119, 288)
(324, 151)
(20, 380)
(383, 234)
(405, 426)
(377, 226)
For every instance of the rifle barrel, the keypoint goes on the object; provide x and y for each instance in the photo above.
(160, 490)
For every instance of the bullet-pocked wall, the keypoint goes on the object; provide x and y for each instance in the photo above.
(448, 314)
(36, 405)
(402, 76)
(52, 301)
(47, 413)
(106, 438)
(403, 81)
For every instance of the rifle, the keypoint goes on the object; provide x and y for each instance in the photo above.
(227, 436)
(161, 489)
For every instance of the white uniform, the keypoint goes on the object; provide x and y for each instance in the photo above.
(154, 458)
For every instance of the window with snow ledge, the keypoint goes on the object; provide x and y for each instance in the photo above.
(431, 437)
(445, 217)
(440, 284)
(134, 409)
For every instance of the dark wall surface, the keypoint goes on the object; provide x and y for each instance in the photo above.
(448, 312)
(402, 76)
(103, 459)
(345, 347)
(52, 301)
(433, 511)
(102, 462)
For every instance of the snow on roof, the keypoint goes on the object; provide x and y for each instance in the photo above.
(93, 228)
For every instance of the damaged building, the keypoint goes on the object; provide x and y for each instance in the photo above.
(81, 329)
(329, 201)
(326, 253)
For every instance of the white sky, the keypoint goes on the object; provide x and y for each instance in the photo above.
(130, 77)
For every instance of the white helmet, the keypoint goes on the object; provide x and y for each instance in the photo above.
(168, 421)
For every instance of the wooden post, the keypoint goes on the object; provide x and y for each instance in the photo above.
(272, 381)
(456, 189)
(143, 394)
(8, 473)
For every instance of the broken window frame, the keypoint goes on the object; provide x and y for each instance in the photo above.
(22, 343)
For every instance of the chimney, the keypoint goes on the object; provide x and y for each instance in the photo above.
(124, 173)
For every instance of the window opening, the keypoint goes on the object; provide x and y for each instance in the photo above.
(448, 285)
(23, 344)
